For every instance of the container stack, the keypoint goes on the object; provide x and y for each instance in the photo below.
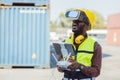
(113, 30)
(24, 33)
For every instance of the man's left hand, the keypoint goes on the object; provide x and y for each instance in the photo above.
(75, 65)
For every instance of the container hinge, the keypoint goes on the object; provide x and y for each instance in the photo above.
(3, 6)
(44, 6)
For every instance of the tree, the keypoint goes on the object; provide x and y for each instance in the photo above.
(64, 22)
(99, 21)
(53, 26)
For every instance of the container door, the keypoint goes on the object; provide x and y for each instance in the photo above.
(24, 36)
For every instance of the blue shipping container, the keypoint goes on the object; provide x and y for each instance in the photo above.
(36, 2)
(24, 36)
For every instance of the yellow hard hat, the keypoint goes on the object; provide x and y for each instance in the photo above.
(90, 16)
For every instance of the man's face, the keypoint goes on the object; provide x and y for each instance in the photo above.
(78, 27)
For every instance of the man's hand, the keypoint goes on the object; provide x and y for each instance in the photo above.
(60, 69)
(75, 65)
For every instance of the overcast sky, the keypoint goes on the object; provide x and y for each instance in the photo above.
(104, 7)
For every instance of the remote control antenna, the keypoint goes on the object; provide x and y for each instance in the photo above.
(68, 56)
(54, 57)
(64, 51)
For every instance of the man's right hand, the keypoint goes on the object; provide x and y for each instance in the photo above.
(60, 69)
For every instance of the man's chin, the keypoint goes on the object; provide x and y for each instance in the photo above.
(73, 30)
(76, 32)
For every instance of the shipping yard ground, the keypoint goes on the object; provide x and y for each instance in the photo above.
(110, 68)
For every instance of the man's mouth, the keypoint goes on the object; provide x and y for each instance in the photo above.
(74, 27)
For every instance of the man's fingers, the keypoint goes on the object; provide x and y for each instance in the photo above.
(74, 66)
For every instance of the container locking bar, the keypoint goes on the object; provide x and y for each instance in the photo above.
(22, 4)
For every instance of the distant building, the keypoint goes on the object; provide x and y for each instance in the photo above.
(113, 26)
(98, 34)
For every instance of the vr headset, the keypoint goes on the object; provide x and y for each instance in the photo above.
(77, 15)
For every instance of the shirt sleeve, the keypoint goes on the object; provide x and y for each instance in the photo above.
(94, 70)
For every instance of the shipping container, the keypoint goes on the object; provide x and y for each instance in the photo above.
(113, 21)
(35, 2)
(113, 37)
(24, 36)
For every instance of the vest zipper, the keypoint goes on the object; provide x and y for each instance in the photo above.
(76, 53)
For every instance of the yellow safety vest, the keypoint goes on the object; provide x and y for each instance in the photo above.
(84, 53)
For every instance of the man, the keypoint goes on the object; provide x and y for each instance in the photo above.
(86, 63)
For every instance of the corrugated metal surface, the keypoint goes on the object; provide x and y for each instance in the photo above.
(37, 2)
(24, 36)
(114, 21)
(113, 37)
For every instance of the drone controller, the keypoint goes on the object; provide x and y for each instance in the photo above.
(63, 64)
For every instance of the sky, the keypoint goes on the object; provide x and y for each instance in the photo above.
(104, 7)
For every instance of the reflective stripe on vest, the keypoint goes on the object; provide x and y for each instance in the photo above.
(85, 51)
